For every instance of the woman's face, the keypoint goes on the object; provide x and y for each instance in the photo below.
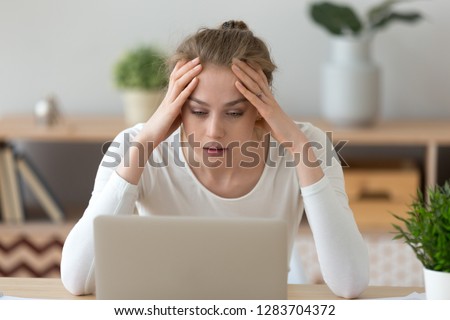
(216, 117)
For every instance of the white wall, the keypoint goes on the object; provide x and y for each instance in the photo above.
(68, 47)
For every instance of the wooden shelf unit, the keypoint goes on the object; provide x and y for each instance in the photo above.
(378, 146)
(68, 129)
(428, 135)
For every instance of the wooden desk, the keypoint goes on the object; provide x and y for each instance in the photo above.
(53, 289)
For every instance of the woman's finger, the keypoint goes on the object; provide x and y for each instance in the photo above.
(244, 78)
(255, 99)
(178, 65)
(254, 80)
(184, 67)
(186, 92)
(259, 70)
(263, 76)
(177, 85)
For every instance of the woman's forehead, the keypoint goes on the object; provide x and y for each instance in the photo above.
(215, 71)
(217, 82)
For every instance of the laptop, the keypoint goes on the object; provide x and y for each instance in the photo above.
(189, 258)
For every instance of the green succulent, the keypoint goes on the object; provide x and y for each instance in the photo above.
(341, 19)
(427, 228)
(141, 68)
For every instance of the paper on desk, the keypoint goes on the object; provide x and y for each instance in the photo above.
(12, 298)
(411, 296)
(3, 297)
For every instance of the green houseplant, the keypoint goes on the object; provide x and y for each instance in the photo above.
(140, 74)
(342, 20)
(426, 229)
(350, 79)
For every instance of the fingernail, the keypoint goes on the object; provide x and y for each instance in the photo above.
(196, 60)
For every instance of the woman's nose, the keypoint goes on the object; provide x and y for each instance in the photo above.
(215, 128)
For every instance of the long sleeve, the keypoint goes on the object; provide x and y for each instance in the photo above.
(112, 195)
(342, 252)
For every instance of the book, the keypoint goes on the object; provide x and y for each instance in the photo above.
(4, 190)
(10, 193)
(41, 191)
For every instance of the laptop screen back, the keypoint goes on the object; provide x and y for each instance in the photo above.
(190, 258)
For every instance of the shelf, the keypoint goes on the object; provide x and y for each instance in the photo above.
(417, 142)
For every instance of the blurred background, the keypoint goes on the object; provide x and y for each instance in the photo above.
(68, 48)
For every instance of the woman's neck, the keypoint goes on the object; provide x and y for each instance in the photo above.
(230, 177)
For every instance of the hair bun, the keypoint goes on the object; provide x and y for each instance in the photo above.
(234, 24)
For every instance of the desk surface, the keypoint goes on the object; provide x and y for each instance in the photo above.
(53, 289)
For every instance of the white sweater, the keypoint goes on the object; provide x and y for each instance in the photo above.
(174, 190)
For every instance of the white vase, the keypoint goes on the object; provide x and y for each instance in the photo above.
(437, 284)
(350, 83)
(139, 105)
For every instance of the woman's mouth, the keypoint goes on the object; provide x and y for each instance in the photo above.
(214, 151)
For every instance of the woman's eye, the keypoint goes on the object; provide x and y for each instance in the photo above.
(235, 114)
(198, 113)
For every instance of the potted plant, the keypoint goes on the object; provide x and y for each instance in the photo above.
(342, 20)
(427, 231)
(350, 79)
(141, 74)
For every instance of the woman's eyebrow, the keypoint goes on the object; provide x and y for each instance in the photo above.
(234, 102)
(198, 101)
(228, 104)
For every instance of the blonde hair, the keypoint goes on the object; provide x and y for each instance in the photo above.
(220, 46)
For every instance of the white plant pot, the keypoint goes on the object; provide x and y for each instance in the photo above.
(139, 105)
(350, 83)
(437, 284)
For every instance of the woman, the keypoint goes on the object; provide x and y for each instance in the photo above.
(220, 144)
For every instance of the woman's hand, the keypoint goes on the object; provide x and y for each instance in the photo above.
(166, 119)
(253, 85)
